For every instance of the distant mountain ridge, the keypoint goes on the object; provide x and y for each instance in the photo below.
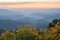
(35, 17)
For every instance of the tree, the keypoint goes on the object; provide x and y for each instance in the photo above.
(53, 23)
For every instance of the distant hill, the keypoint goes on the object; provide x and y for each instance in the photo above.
(11, 24)
(36, 17)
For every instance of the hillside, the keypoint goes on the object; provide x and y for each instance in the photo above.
(35, 17)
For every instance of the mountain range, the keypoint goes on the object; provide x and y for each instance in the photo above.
(11, 18)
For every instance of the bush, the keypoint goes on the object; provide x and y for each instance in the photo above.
(29, 33)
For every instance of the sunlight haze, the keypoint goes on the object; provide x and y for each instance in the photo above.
(29, 1)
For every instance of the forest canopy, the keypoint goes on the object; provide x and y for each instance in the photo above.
(30, 33)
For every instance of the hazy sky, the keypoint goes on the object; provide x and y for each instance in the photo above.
(30, 4)
(29, 0)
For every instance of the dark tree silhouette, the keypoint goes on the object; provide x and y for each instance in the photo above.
(53, 23)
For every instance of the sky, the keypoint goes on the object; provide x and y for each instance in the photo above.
(29, 5)
(29, 1)
(16, 4)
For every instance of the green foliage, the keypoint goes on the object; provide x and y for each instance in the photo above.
(30, 33)
(53, 23)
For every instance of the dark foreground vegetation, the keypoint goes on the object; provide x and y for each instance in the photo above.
(52, 32)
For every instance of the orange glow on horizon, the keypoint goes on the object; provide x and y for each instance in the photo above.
(30, 5)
